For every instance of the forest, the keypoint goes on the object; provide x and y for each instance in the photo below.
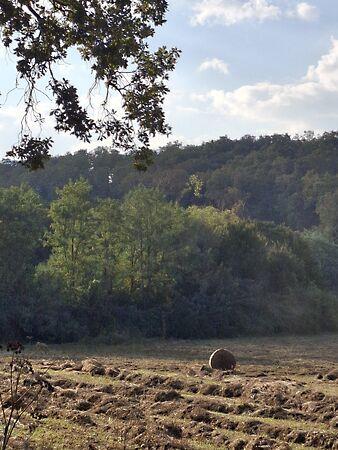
(228, 238)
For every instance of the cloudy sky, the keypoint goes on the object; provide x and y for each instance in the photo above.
(247, 66)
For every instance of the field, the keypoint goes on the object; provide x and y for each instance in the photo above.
(154, 395)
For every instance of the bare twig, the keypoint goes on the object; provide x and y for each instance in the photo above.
(20, 398)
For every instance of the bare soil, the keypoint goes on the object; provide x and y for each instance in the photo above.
(282, 395)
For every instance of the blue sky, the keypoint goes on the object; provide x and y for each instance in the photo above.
(247, 66)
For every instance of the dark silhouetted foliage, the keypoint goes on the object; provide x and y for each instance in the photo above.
(144, 265)
(114, 38)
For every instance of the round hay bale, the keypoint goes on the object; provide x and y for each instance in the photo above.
(222, 359)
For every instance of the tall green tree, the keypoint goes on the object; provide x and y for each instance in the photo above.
(328, 214)
(22, 221)
(153, 247)
(107, 242)
(22, 217)
(71, 239)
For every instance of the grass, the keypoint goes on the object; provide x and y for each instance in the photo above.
(80, 377)
(326, 387)
(285, 350)
(204, 446)
(64, 434)
(292, 363)
(232, 435)
(297, 424)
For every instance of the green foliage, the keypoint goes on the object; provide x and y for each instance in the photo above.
(328, 214)
(152, 244)
(70, 239)
(22, 215)
(271, 178)
(107, 242)
(114, 38)
(325, 253)
(22, 222)
(228, 238)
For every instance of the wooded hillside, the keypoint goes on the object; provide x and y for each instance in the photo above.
(227, 238)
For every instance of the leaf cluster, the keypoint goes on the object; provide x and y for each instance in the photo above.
(113, 36)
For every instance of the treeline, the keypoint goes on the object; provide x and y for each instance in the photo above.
(85, 266)
(290, 181)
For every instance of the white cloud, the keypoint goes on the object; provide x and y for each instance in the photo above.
(214, 64)
(161, 140)
(12, 112)
(11, 123)
(325, 73)
(308, 102)
(305, 11)
(230, 12)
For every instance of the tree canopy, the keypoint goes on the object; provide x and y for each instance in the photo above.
(229, 237)
(114, 38)
(147, 266)
(291, 181)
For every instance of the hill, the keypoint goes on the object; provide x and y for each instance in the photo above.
(291, 181)
(227, 238)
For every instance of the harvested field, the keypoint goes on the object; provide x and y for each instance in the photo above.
(154, 395)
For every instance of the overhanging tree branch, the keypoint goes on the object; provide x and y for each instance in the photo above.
(113, 36)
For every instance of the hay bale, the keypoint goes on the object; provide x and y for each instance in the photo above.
(222, 359)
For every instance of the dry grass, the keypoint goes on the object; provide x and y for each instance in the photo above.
(274, 394)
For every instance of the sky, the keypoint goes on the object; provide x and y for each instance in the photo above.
(247, 67)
